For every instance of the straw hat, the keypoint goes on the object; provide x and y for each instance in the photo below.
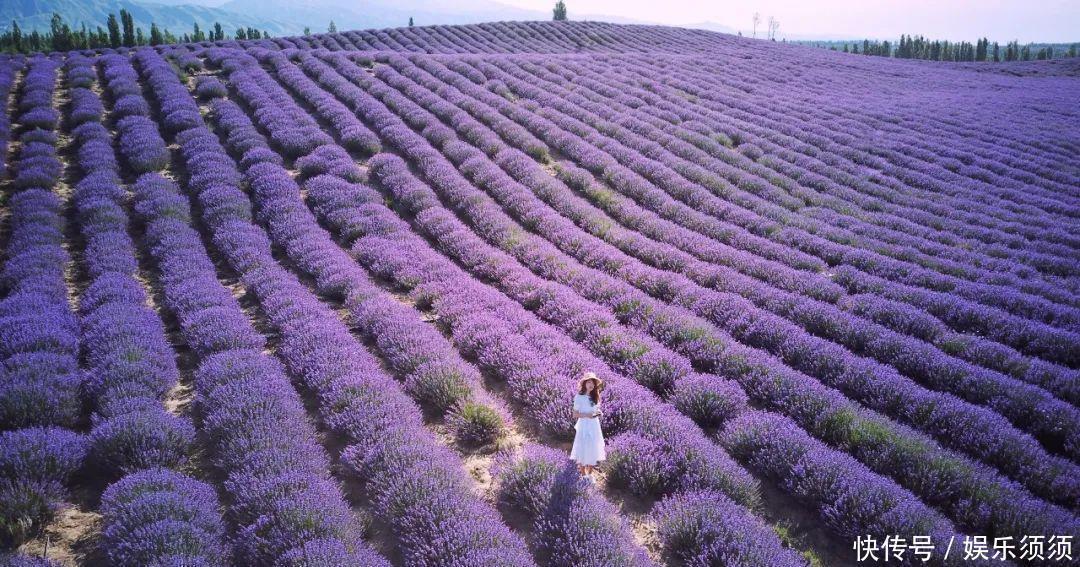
(591, 376)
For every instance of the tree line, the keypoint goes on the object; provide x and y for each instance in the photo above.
(919, 47)
(118, 32)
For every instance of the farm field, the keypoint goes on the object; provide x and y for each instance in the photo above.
(325, 300)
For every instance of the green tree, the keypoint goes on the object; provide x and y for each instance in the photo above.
(114, 31)
(332, 28)
(196, 33)
(410, 21)
(242, 34)
(155, 35)
(307, 31)
(16, 36)
(61, 33)
(128, 24)
(560, 11)
(219, 34)
(81, 38)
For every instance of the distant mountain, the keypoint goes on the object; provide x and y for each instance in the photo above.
(286, 17)
(350, 15)
(177, 18)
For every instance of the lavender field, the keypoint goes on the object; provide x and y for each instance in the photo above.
(325, 300)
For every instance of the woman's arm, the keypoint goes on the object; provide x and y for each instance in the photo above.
(580, 414)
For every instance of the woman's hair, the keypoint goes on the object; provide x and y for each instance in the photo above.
(594, 395)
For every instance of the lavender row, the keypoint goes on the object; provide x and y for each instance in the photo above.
(37, 466)
(384, 122)
(628, 351)
(396, 265)
(130, 365)
(350, 131)
(14, 559)
(850, 499)
(386, 228)
(746, 165)
(150, 514)
(488, 108)
(648, 455)
(696, 133)
(537, 363)
(327, 196)
(681, 140)
(844, 148)
(750, 116)
(434, 374)
(571, 523)
(702, 527)
(817, 316)
(597, 286)
(280, 496)
(281, 499)
(806, 312)
(531, 384)
(1035, 338)
(693, 128)
(161, 517)
(40, 379)
(723, 154)
(417, 485)
(686, 150)
(963, 162)
(913, 322)
(973, 476)
(657, 171)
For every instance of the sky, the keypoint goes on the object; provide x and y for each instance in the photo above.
(999, 20)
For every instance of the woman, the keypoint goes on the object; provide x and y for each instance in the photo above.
(589, 441)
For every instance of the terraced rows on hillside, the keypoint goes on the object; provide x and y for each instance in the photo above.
(324, 301)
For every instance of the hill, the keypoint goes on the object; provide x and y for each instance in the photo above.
(352, 299)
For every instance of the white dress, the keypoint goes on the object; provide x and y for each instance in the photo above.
(589, 441)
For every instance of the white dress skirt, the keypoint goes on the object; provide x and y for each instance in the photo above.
(589, 441)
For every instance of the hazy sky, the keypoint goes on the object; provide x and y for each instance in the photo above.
(1000, 20)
